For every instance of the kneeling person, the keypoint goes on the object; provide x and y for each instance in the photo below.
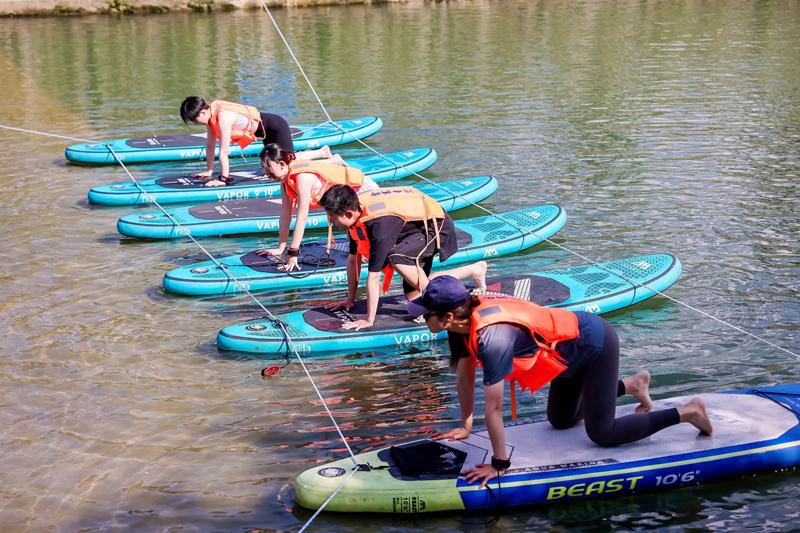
(396, 229)
(303, 183)
(576, 352)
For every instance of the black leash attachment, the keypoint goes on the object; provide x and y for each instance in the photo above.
(317, 261)
(274, 369)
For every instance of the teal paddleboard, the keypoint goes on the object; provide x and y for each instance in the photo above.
(249, 183)
(262, 215)
(478, 238)
(582, 288)
(186, 146)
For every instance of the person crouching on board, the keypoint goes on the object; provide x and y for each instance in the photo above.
(302, 185)
(395, 229)
(229, 122)
(576, 352)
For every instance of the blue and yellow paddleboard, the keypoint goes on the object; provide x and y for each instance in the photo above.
(754, 431)
(262, 215)
(249, 183)
(187, 146)
(478, 238)
(583, 288)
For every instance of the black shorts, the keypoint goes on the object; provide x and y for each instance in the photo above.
(406, 251)
(275, 130)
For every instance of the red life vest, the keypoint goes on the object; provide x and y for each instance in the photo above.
(242, 137)
(404, 202)
(552, 325)
(329, 175)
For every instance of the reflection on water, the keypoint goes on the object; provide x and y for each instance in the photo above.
(658, 126)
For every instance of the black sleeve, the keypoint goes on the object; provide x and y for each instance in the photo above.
(497, 345)
(382, 233)
(353, 245)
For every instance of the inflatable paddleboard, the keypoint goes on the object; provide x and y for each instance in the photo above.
(755, 430)
(249, 183)
(185, 146)
(478, 238)
(582, 288)
(262, 215)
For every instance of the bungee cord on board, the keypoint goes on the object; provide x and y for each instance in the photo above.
(517, 226)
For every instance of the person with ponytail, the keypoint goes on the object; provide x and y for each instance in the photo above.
(577, 353)
(303, 183)
(229, 122)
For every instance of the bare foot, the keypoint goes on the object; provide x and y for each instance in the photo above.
(325, 152)
(479, 274)
(638, 386)
(336, 159)
(695, 413)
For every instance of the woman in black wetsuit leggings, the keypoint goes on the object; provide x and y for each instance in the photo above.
(586, 383)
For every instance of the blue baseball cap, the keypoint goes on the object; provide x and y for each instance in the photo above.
(443, 293)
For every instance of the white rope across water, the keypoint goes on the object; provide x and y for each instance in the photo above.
(274, 320)
(524, 231)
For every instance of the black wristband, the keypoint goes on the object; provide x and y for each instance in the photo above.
(500, 464)
(293, 252)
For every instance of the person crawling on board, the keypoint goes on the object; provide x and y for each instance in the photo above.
(395, 229)
(302, 185)
(228, 122)
(576, 352)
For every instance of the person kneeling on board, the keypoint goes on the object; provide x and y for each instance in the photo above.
(576, 352)
(396, 229)
(229, 122)
(302, 185)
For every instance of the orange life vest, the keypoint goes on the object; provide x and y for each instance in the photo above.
(404, 202)
(241, 137)
(552, 325)
(329, 175)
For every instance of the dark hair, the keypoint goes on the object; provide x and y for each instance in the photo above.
(273, 152)
(339, 199)
(191, 107)
(458, 341)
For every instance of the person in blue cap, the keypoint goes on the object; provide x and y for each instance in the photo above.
(576, 352)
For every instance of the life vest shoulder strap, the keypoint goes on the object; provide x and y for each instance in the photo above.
(242, 137)
(551, 325)
(329, 175)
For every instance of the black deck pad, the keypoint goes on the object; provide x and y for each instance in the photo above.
(308, 253)
(392, 313)
(255, 208)
(178, 140)
(186, 181)
(427, 458)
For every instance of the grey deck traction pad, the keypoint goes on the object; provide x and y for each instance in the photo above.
(534, 446)
(256, 208)
(186, 181)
